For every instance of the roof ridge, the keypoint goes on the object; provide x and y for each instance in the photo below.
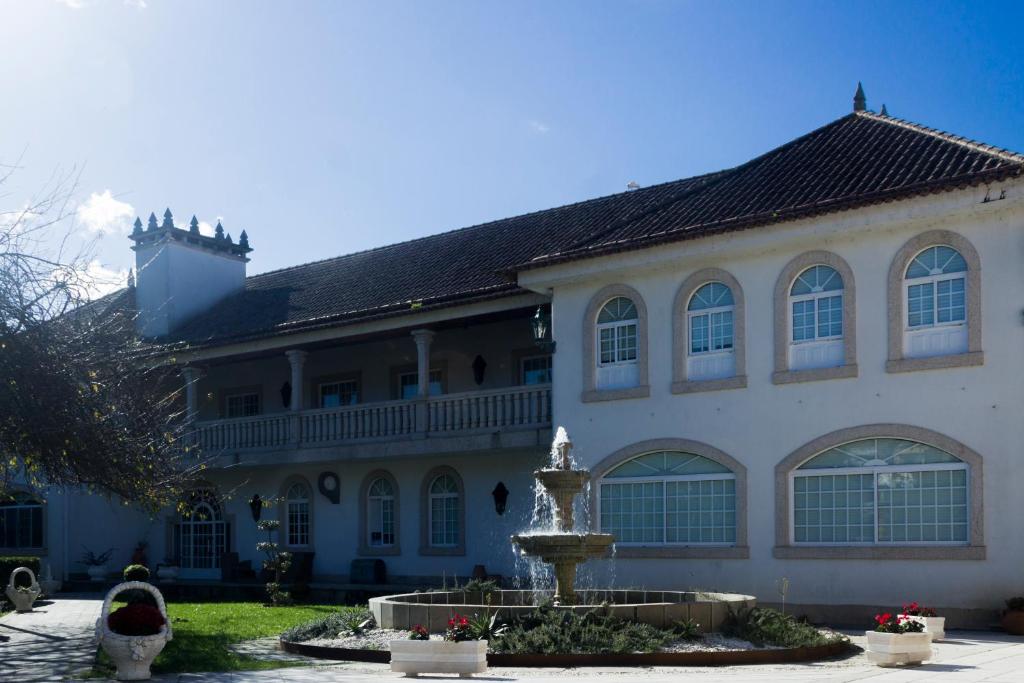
(984, 148)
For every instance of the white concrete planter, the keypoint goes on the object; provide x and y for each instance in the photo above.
(167, 572)
(132, 655)
(414, 657)
(22, 598)
(889, 649)
(97, 573)
(933, 626)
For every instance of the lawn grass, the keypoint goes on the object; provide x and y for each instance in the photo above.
(202, 632)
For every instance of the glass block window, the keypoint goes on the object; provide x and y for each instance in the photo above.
(669, 498)
(444, 511)
(336, 394)
(21, 522)
(617, 326)
(380, 514)
(816, 304)
(536, 370)
(243, 405)
(710, 312)
(297, 501)
(881, 491)
(936, 288)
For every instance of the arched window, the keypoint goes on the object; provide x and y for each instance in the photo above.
(617, 344)
(669, 498)
(816, 319)
(882, 491)
(444, 520)
(298, 515)
(21, 522)
(710, 324)
(380, 513)
(201, 535)
(935, 294)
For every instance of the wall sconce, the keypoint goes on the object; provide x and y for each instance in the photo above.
(479, 365)
(286, 394)
(541, 323)
(329, 486)
(500, 494)
(256, 506)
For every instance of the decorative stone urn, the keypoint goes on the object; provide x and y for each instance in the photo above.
(890, 649)
(132, 655)
(933, 626)
(22, 598)
(97, 572)
(415, 657)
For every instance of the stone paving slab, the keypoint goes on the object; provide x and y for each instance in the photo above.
(51, 642)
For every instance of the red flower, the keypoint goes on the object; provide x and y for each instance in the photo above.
(137, 619)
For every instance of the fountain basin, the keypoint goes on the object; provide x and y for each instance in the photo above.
(560, 547)
(562, 481)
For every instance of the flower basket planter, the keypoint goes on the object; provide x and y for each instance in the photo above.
(933, 626)
(132, 655)
(890, 649)
(1013, 622)
(414, 657)
(22, 598)
(97, 572)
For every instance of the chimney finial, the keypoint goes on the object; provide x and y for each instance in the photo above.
(884, 112)
(168, 220)
(138, 226)
(228, 237)
(218, 232)
(243, 240)
(193, 227)
(152, 222)
(860, 101)
(131, 279)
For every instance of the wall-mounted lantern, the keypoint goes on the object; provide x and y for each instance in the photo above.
(286, 394)
(541, 323)
(479, 366)
(256, 506)
(500, 494)
(329, 486)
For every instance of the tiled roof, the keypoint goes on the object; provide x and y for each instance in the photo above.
(857, 160)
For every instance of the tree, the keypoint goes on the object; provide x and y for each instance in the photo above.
(83, 401)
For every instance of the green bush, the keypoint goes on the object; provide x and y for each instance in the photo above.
(762, 626)
(11, 562)
(345, 622)
(551, 631)
(136, 572)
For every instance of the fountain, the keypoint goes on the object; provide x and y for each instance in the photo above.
(563, 548)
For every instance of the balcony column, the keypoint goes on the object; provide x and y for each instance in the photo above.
(296, 359)
(422, 339)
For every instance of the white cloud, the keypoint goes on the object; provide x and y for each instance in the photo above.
(205, 229)
(72, 4)
(102, 214)
(538, 127)
(137, 4)
(100, 280)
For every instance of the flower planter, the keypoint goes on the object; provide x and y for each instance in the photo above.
(132, 655)
(97, 572)
(22, 598)
(1013, 622)
(167, 572)
(889, 649)
(933, 626)
(414, 657)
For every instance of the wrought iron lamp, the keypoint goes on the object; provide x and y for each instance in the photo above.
(541, 323)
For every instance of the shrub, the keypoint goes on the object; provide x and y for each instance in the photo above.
(762, 626)
(551, 631)
(347, 622)
(482, 586)
(418, 632)
(11, 562)
(136, 620)
(135, 572)
(686, 629)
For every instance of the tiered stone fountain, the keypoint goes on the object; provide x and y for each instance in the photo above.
(563, 548)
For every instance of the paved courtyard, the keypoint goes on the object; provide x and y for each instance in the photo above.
(50, 643)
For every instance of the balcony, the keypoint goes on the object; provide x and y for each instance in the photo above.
(511, 409)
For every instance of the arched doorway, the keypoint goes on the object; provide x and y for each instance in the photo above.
(201, 536)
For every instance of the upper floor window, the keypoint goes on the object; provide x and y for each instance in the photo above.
(297, 512)
(243, 405)
(380, 513)
(617, 344)
(335, 394)
(710, 324)
(816, 319)
(21, 522)
(444, 517)
(409, 384)
(669, 497)
(536, 370)
(936, 303)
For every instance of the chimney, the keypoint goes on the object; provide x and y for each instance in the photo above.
(181, 273)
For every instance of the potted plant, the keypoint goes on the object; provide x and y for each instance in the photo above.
(95, 564)
(461, 651)
(133, 635)
(1013, 617)
(898, 640)
(168, 571)
(934, 625)
(22, 597)
(139, 554)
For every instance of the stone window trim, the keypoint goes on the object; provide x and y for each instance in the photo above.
(681, 334)
(365, 549)
(42, 550)
(739, 551)
(975, 550)
(314, 384)
(783, 374)
(590, 391)
(282, 511)
(894, 293)
(425, 548)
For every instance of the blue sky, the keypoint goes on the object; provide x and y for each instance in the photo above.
(329, 127)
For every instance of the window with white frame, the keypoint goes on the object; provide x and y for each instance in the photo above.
(297, 510)
(335, 394)
(380, 513)
(617, 344)
(444, 512)
(669, 498)
(935, 299)
(536, 370)
(816, 319)
(710, 323)
(21, 522)
(409, 384)
(242, 405)
(881, 492)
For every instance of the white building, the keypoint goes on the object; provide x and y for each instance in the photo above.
(805, 367)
